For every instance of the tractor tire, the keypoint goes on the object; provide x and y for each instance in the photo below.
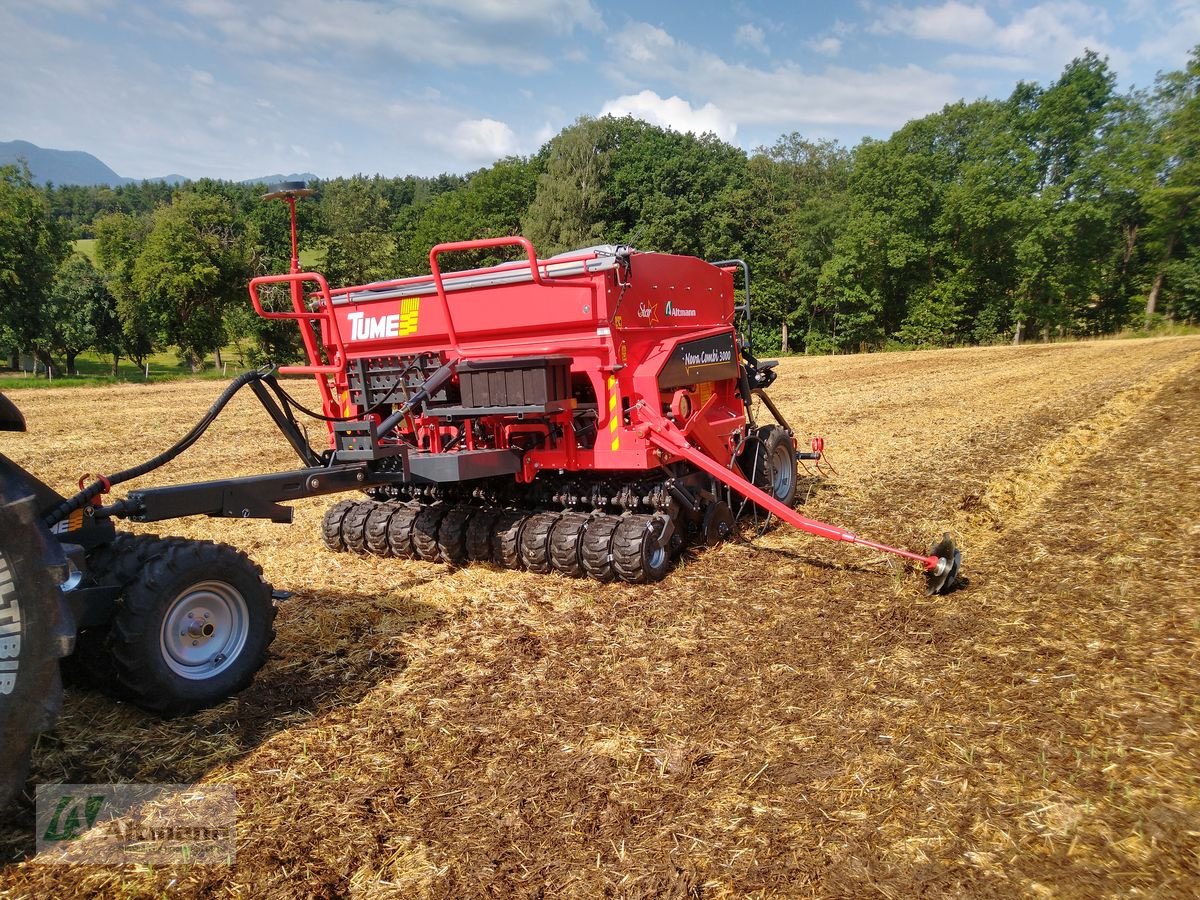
(535, 541)
(377, 529)
(452, 535)
(193, 628)
(596, 550)
(400, 531)
(506, 538)
(331, 525)
(34, 632)
(425, 532)
(479, 534)
(566, 542)
(354, 526)
(638, 557)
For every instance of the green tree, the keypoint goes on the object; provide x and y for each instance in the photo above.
(79, 311)
(192, 266)
(357, 235)
(119, 240)
(32, 245)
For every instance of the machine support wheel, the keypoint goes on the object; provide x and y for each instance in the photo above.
(193, 629)
(506, 538)
(33, 634)
(638, 555)
(377, 528)
(535, 541)
(331, 525)
(596, 550)
(479, 534)
(452, 535)
(775, 464)
(400, 531)
(425, 532)
(566, 543)
(354, 526)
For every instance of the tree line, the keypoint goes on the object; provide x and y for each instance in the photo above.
(1063, 210)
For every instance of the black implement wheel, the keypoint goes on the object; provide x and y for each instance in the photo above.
(354, 526)
(535, 541)
(479, 534)
(33, 633)
(452, 534)
(638, 556)
(768, 460)
(596, 550)
(331, 525)
(566, 542)
(425, 532)
(193, 627)
(377, 528)
(506, 538)
(400, 531)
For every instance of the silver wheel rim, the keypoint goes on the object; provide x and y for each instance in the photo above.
(656, 557)
(781, 471)
(204, 630)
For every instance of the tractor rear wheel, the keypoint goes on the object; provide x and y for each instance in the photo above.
(639, 557)
(32, 633)
(566, 541)
(535, 541)
(331, 525)
(596, 550)
(193, 628)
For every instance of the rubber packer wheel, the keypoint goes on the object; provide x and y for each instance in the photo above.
(506, 538)
(596, 550)
(30, 623)
(638, 557)
(425, 532)
(377, 528)
(535, 541)
(479, 534)
(566, 542)
(193, 628)
(331, 525)
(400, 531)
(354, 526)
(452, 535)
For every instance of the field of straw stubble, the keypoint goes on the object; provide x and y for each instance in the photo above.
(781, 716)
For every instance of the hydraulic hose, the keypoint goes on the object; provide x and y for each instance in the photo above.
(101, 486)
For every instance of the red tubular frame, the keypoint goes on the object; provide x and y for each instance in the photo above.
(669, 438)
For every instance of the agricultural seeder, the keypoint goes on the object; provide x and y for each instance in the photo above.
(590, 414)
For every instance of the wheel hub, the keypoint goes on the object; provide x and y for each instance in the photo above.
(204, 629)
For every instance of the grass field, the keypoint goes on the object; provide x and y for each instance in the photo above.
(779, 717)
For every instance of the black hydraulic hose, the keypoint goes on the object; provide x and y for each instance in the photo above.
(96, 488)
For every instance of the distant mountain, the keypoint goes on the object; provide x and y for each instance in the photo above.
(78, 167)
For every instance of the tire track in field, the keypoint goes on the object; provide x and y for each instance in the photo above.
(1017, 494)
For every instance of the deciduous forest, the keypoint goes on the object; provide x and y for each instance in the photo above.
(1065, 210)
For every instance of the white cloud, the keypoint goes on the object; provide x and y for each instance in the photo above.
(829, 46)
(672, 112)
(482, 140)
(952, 21)
(642, 43)
(751, 37)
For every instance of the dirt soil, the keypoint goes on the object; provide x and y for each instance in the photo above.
(781, 716)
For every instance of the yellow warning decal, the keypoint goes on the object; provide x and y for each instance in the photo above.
(613, 416)
(346, 405)
(75, 520)
(410, 309)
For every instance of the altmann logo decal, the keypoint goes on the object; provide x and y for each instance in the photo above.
(10, 629)
(401, 324)
(679, 312)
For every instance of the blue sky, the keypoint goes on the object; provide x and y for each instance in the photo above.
(240, 88)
